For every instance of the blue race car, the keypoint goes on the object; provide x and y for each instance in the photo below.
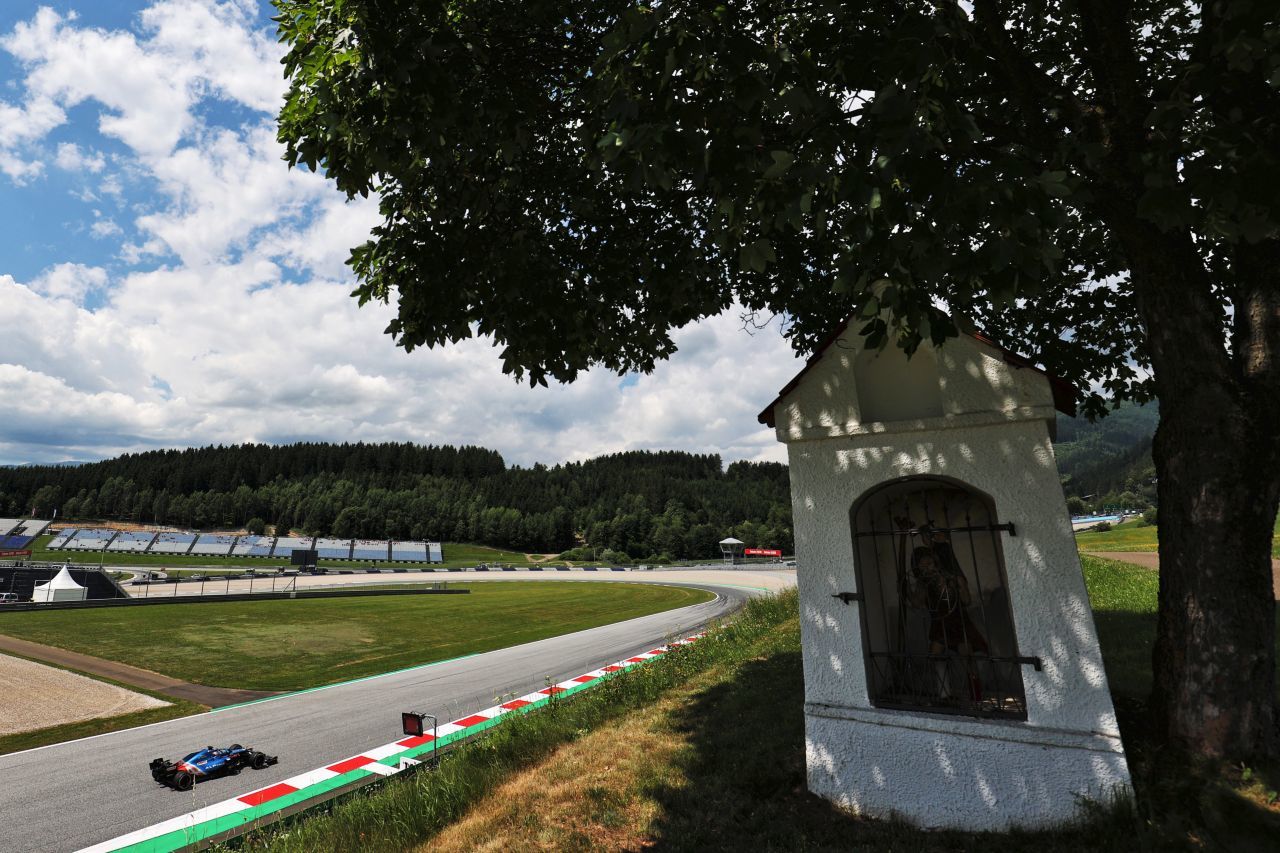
(207, 763)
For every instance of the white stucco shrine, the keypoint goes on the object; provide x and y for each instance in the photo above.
(951, 665)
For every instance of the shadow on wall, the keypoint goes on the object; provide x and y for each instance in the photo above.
(981, 424)
(878, 392)
(745, 784)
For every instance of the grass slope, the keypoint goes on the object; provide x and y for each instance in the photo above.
(704, 750)
(1129, 536)
(1136, 536)
(294, 644)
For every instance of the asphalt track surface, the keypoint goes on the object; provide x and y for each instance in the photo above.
(70, 795)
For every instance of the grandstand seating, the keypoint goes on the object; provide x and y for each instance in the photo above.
(369, 549)
(60, 541)
(32, 527)
(254, 546)
(14, 543)
(213, 544)
(335, 549)
(224, 544)
(286, 545)
(409, 552)
(91, 539)
(134, 541)
(173, 543)
(8, 525)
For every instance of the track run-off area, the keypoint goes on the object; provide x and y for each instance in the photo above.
(73, 795)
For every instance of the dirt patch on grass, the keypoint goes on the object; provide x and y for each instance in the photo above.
(213, 697)
(34, 696)
(1151, 560)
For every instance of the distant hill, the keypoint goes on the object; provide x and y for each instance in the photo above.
(1109, 462)
(633, 505)
(636, 505)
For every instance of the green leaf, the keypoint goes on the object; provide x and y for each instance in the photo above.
(782, 161)
(1052, 182)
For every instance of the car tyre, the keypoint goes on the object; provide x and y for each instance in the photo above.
(259, 760)
(183, 781)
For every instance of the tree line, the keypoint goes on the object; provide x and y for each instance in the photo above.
(633, 505)
(1108, 463)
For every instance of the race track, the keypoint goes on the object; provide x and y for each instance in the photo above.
(67, 796)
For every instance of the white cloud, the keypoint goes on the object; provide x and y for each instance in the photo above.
(69, 281)
(71, 158)
(232, 320)
(104, 226)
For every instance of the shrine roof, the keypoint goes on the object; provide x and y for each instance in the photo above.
(1064, 393)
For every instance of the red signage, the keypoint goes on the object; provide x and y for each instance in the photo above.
(15, 553)
(761, 552)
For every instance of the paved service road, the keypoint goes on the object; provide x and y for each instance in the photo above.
(67, 796)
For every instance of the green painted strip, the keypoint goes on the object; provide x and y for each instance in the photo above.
(178, 839)
(341, 683)
(744, 586)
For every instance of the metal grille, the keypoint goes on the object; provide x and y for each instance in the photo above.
(937, 627)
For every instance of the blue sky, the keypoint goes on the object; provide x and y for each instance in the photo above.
(165, 280)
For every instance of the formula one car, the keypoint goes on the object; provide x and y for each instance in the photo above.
(207, 763)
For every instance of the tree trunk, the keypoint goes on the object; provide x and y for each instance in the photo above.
(1214, 658)
(1217, 457)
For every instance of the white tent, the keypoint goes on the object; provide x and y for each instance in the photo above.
(63, 587)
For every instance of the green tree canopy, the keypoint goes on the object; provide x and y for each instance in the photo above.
(1095, 183)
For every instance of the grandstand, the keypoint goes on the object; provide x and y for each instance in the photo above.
(173, 543)
(417, 552)
(286, 545)
(254, 546)
(229, 545)
(135, 542)
(409, 552)
(91, 539)
(213, 544)
(335, 549)
(17, 533)
(369, 549)
(64, 536)
(31, 528)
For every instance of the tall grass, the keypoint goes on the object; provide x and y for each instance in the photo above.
(704, 749)
(401, 812)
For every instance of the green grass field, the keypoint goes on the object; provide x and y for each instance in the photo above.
(456, 555)
(1136, 536)
(657, 760)
(1129, 536)
(295, 644)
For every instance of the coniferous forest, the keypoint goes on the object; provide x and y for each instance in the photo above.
(634, 505)
(637, 505)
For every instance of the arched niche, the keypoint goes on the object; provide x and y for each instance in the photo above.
(938, 629)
